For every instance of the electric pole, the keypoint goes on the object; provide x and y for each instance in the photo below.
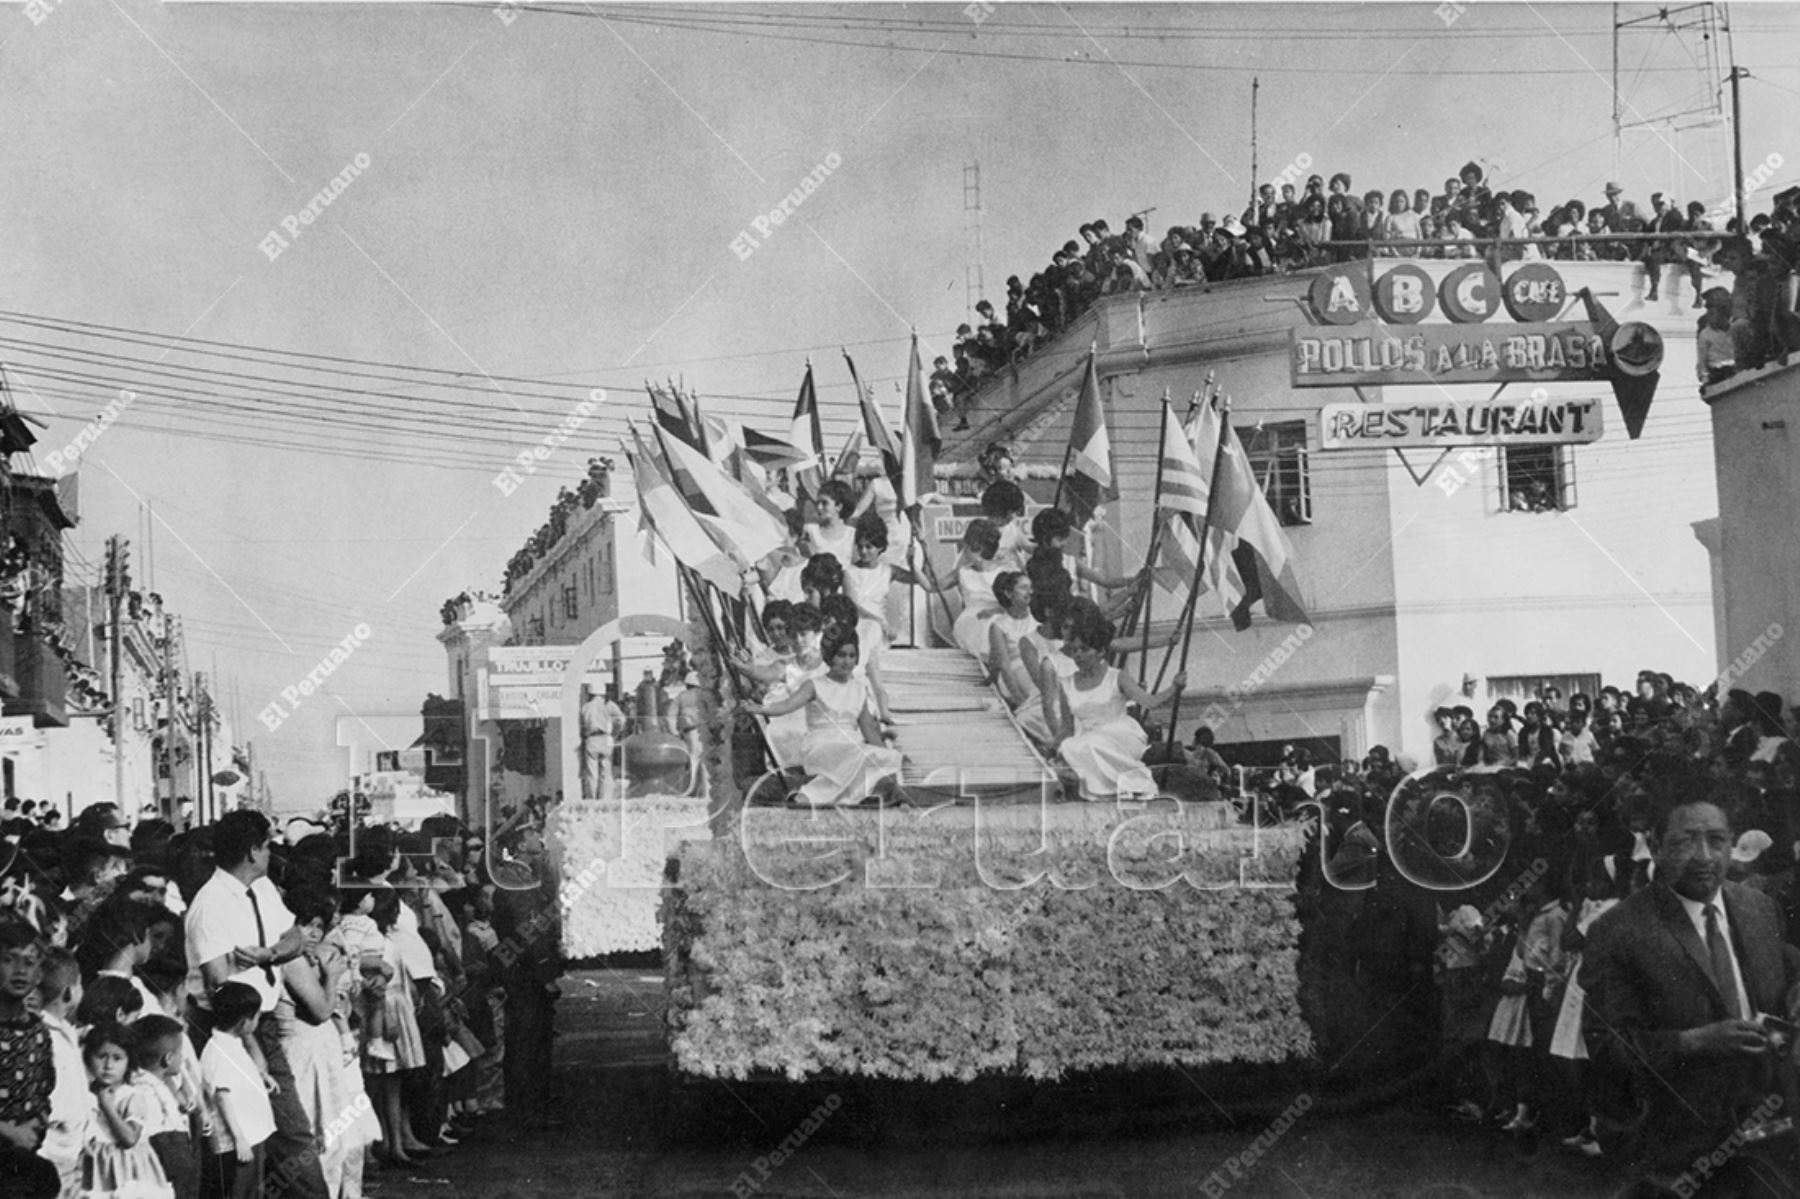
(1737, 149)
(116, 554)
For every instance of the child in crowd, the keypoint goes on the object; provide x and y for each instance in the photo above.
(28, 1066)
(117, 1161)
(486, 1002)
(1567, 1050)
(1524, 1017)
(59, 994)
(242, 1117)
(108, 999)
(1466, 1005)
(157, 1058)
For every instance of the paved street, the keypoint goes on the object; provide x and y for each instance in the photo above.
(625, 1137)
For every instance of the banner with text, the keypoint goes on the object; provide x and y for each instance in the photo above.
(1379, 355)
(1437, 424)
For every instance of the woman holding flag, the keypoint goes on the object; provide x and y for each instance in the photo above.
(843, 752)
(1101, 743)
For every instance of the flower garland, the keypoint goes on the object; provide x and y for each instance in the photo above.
(937, 951)
(611, 856)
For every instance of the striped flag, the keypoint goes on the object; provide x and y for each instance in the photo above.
(1183, 479)
(1261, 550)
(1088, 476)
(1221, 575)
(769, 451)
(809, 440)
(730, 513)
(880, 436)
(922, 442)
(662, 514)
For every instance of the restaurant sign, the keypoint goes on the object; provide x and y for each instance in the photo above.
(1437, 424)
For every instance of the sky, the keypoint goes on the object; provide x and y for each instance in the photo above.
(536, 203)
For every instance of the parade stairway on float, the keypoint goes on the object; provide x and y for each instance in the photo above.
(958, 737)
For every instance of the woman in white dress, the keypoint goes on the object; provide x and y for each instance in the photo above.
(326, 1080)
(1101, 743)
(834, 534)
(844, 753)
(976, 571)
(1007, 667)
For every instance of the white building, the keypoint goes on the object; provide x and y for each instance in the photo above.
(1419, 594)
(1755, 542)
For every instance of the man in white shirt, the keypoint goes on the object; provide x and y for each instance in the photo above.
(239, 930)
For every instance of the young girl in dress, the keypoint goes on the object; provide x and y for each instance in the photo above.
(1101, 743)
(844, 752)
(1008, 633)
(833, 534)
(117, 1161)
(976, 571)
(1520, 1025)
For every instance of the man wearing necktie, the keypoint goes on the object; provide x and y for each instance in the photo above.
(239, 930)
(1679, 978)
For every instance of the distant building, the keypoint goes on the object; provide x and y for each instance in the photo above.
(581, 570)
(1501, 572)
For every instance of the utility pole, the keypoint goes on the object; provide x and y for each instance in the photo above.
(116, 553)
(1737, 149)
(203, 715)
(168, 690)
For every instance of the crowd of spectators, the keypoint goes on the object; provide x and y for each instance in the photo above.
(1577, 786)
(1287, 229)
(224, 1011)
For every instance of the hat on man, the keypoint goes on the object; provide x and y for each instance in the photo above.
(1233, 226)
(1613, 189)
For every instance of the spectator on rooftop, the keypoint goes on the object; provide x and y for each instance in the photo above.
(1138, 243)
(1314, 229)
(1400, 224)
(1515, 222)
(1665, 218)
(1345, 213)
(1451, 200)
(1715, 349)
(1474, 200)
(1611, 211)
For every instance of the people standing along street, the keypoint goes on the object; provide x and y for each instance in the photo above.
(529, 959)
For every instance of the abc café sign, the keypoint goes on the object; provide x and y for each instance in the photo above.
(1348, 348)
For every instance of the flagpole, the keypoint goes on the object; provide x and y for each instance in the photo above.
(1069, 452)
(1200, 551)
(1187, 632)
(1156, 530)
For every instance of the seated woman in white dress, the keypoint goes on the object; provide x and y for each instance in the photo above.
(791, 657)
(1101, 743)
(869, 581)
(1008, 632)
(976, 571)
(833, 534)
(844, 755)
(1004, 504)
(780, 570)
(1052, 531)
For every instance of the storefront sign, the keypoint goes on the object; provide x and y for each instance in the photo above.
(1376, 355)
(1437, 424)
(19, 733)
(524, 682)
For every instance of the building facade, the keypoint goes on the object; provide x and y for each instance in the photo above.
(1430, 576)
(1754, 542)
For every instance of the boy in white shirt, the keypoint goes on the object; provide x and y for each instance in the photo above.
(242, 1117)
(59, 990)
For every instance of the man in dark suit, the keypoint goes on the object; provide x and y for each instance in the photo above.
(1678, 978)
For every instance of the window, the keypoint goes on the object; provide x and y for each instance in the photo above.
(1537, 478)
(571, 602)
(1277, 451)
(536, 630)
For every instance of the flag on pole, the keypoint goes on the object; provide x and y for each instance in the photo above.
(849, 456)
(769, 451)
(729, 512)
(673, 416)
(880, 436)
(1261, 550)
(1089, 479)
(1185, 486)
(662, 513)
(1220, 576)
(809, 440)
(922, 442)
